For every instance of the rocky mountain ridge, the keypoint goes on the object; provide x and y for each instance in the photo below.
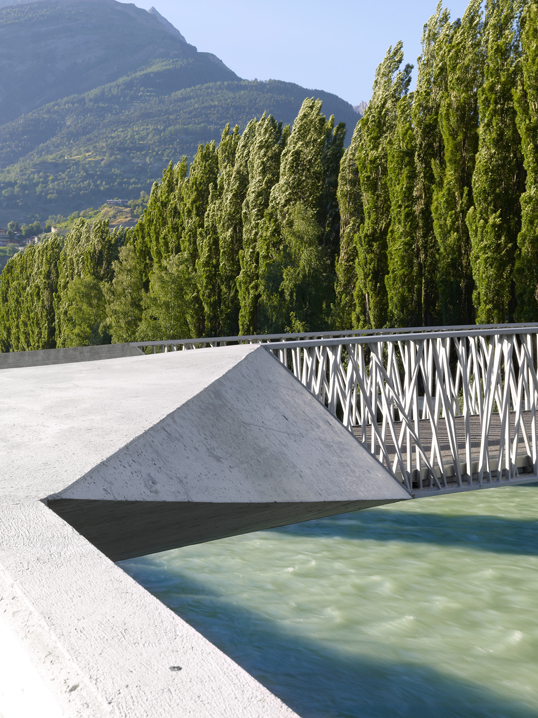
(167, 25)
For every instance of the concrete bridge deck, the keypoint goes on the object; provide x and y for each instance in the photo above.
(105, 459)
(113, 458)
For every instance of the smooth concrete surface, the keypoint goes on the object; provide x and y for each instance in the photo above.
(45, 357)
(98, 644)
(131, 455)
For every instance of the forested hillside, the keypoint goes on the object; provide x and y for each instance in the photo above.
(429, 216)
(115, 141)
(97, 96)
(51, 49)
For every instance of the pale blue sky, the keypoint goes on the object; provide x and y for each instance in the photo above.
(333, 46)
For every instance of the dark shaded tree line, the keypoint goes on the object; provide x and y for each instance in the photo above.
(429, 216)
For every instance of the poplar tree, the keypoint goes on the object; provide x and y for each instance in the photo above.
(164, 314)
(403, 280)
(196, 192)
(377, 125)
(157, 237)
(28, 284)
(301, 168)
(173, 225)
(429, 154)
(89, 251)
(351, 215)
(306, 277)
(301, 182)
(124, 297)
(84, 313)
(227, 147)
(526, 103)
(268, 141)
(234, 182)
(453, 194)
(207, 266)
(494, 221)
(328, 211)
(219, 240)
(158, 232)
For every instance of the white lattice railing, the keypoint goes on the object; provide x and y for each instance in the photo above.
(443, 409)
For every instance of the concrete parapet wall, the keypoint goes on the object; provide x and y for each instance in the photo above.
(45, 357)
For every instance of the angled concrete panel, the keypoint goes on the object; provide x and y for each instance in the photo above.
(149, 453)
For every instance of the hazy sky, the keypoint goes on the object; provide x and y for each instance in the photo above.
(333, 46)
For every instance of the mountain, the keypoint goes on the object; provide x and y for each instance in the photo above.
(359, 109)
(55, 48)
(97, 96)
(167, 25)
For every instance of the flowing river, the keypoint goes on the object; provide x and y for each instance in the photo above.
(427, 608)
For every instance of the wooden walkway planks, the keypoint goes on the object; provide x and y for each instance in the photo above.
(425, 435)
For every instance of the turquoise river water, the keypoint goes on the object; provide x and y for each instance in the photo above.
(428, 608)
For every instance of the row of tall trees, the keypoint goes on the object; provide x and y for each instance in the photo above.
(430, 215)
(447, 176)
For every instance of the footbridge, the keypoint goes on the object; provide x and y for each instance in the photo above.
(444, 409)
(114, 452)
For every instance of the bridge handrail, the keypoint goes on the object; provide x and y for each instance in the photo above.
(426, 401)
(509, 330)
(422, 402)
(362, 334)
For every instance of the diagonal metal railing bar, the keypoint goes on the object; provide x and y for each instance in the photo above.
(443, 408)
(201, 342)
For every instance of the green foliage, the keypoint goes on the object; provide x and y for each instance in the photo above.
(297, 282)
(376, 127)
(453, 194)
(301, 182)
(233, 186)
(164, 306)
(433, 206)
(89, 251)
(328, 213)
(6, 253)
(202, 181)
(526, 103)
(263, 171)
(124, 296)
(84, 313)
(351, 215)
(158, 232)
(403, 280)
(31, 230)
(27, 288)
(429, 156)
(12, 229)
(306, 278)
(494, 221)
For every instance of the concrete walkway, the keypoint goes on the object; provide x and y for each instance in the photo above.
(122, 457)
